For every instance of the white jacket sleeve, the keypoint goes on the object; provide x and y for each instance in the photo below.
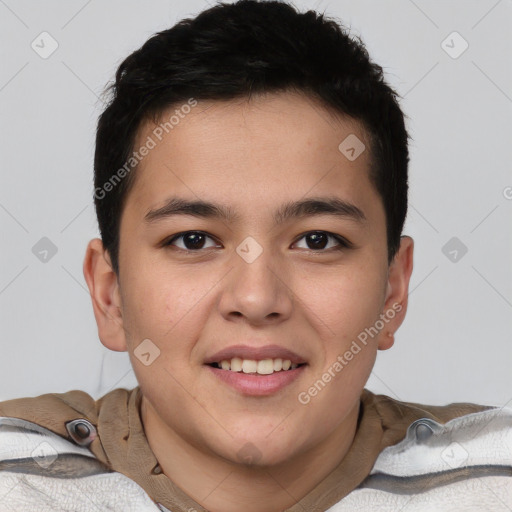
(464, 465)
(40, 470)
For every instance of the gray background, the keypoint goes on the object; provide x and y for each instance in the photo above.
(455, 344)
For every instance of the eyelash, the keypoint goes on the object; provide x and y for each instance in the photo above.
(343, 243)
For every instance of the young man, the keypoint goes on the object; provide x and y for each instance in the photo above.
(251, 189)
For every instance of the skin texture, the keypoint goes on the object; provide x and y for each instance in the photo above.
(252, 155)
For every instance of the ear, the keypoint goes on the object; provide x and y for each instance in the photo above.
(105, 295)
(395, 305)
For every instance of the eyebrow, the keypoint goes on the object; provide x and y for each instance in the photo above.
(297, 209)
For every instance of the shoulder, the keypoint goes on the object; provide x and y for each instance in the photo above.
(39, 469)
(391, 409)
(456, 457)
(51, 455)
(54, 410)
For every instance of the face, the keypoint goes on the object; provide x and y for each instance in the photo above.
(261, 284)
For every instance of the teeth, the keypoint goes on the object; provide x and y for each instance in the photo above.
(262, 367)
(236, 364)
(249, 366)
(265, 367)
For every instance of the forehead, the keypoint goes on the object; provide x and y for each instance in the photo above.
(274, 145)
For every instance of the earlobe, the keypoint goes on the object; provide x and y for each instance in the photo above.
(105, 295)
(397, 291)
(387, 341)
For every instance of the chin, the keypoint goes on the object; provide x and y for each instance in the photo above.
(253, 455)
(264, 447)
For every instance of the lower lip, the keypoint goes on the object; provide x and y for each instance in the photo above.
(257, 385)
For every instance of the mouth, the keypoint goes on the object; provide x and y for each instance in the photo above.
(256, 371)
(266, 366)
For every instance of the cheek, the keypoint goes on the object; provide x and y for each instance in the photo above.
(156, 300)
(165, 308)
(344, 302)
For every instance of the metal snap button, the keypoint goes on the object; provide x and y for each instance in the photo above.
(81, 431)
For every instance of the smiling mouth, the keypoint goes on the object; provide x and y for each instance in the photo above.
(256, 367)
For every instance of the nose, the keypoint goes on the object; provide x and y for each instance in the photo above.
(259, 290)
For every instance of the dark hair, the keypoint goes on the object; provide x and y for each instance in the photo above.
(233, 51)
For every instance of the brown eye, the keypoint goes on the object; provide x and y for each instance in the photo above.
(318, 240)
(191, 240)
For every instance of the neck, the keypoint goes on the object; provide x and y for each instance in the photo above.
(221, 485)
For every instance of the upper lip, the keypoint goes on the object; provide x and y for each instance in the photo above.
(255, 353)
